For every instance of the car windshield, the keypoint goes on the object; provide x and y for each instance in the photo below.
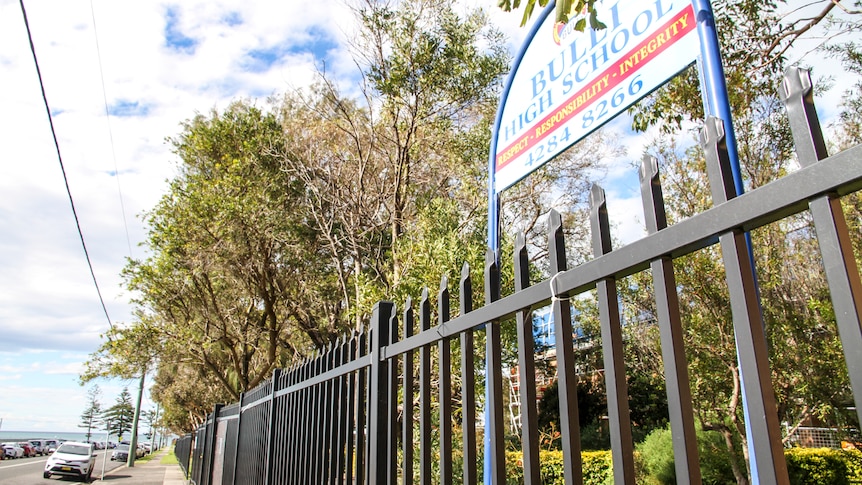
(74, 449)
(123, 448)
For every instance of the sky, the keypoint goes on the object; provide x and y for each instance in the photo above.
(120, 77)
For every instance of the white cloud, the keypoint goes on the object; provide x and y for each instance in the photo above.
(161, 63)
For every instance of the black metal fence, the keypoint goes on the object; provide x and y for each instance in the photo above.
(348, 415)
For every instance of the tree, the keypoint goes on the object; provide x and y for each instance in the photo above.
(119, 417)
(91, 417)
(788, 21)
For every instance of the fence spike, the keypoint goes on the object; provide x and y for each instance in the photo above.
(599, 221)
(712, 139)
(492, 277)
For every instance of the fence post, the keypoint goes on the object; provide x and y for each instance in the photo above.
(622, 447)
(425, 393)
(494, 375)
(833, 236)
(276, 373)
(378, 434)
(209, 449)
(444, 350)
(679, 400)
(567, 380)
(238, 441)
(407, 428)
(526, 367)
(468, 381)
(752, 351)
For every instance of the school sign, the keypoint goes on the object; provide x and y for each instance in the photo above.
(565, 84)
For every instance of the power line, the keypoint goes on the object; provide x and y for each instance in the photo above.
(62, 167)
(110, 131)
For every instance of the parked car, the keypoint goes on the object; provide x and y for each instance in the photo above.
(72, 459)
(52, 445)
(12, 450)
(29, 451)
(40, 446)
(120, 453)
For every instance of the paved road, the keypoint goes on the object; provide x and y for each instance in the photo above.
(28, 471)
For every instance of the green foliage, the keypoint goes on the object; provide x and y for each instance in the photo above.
(656, 456)
(597, 468)
(119, 417)
(91, 417)
(578, 11)
(820, 466)
(853, 459)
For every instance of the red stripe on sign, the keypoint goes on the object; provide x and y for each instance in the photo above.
(649, 48)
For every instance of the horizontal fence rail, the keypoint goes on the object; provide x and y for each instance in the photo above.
(362, 411)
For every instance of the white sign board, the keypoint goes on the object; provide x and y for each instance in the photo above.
(566, 84)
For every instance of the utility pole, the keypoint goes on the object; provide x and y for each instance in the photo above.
(133, 446)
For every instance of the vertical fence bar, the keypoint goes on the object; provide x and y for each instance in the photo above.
(319, 407)
(681, 413)
(527, 370)
(392, 404)
(305, 440)
(494, 373)
(330, 407)
(361, 402)
(445, 383)
(343, 436)
(209, 461)
(282, 451)
(333, 418)
(567, 380)
(291, 428)
(770, 465)
(353, 430)
(622, 446)
(468, 383)
(271, 427)
(308, 422)
(378, 431)
(238, 434)
(833, 235)
(425, 393)
(407, 425)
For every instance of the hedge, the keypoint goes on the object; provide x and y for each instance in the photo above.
(806, 466)
(596, 465)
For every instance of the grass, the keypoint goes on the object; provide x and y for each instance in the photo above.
(145, 459)
(170, 458)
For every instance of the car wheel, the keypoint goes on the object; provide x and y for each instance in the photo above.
(46, 475)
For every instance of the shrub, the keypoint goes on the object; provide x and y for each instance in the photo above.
(821, 466)
(656, 457)
(596, 466)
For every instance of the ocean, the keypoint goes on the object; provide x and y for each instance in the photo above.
(25, 435)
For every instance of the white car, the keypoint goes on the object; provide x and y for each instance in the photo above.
(72, 459)
(12, 450)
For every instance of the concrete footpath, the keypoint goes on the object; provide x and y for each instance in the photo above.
(151, 472)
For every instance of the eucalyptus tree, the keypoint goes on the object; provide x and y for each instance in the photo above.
(407, 154)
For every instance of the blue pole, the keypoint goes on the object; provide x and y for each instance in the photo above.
(494, 244)
(717, 104)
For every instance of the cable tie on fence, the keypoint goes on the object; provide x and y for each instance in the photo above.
(554, 296)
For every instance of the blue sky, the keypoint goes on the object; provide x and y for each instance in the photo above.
(162, 63)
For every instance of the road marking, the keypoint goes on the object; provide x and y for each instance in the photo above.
(39, 462)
